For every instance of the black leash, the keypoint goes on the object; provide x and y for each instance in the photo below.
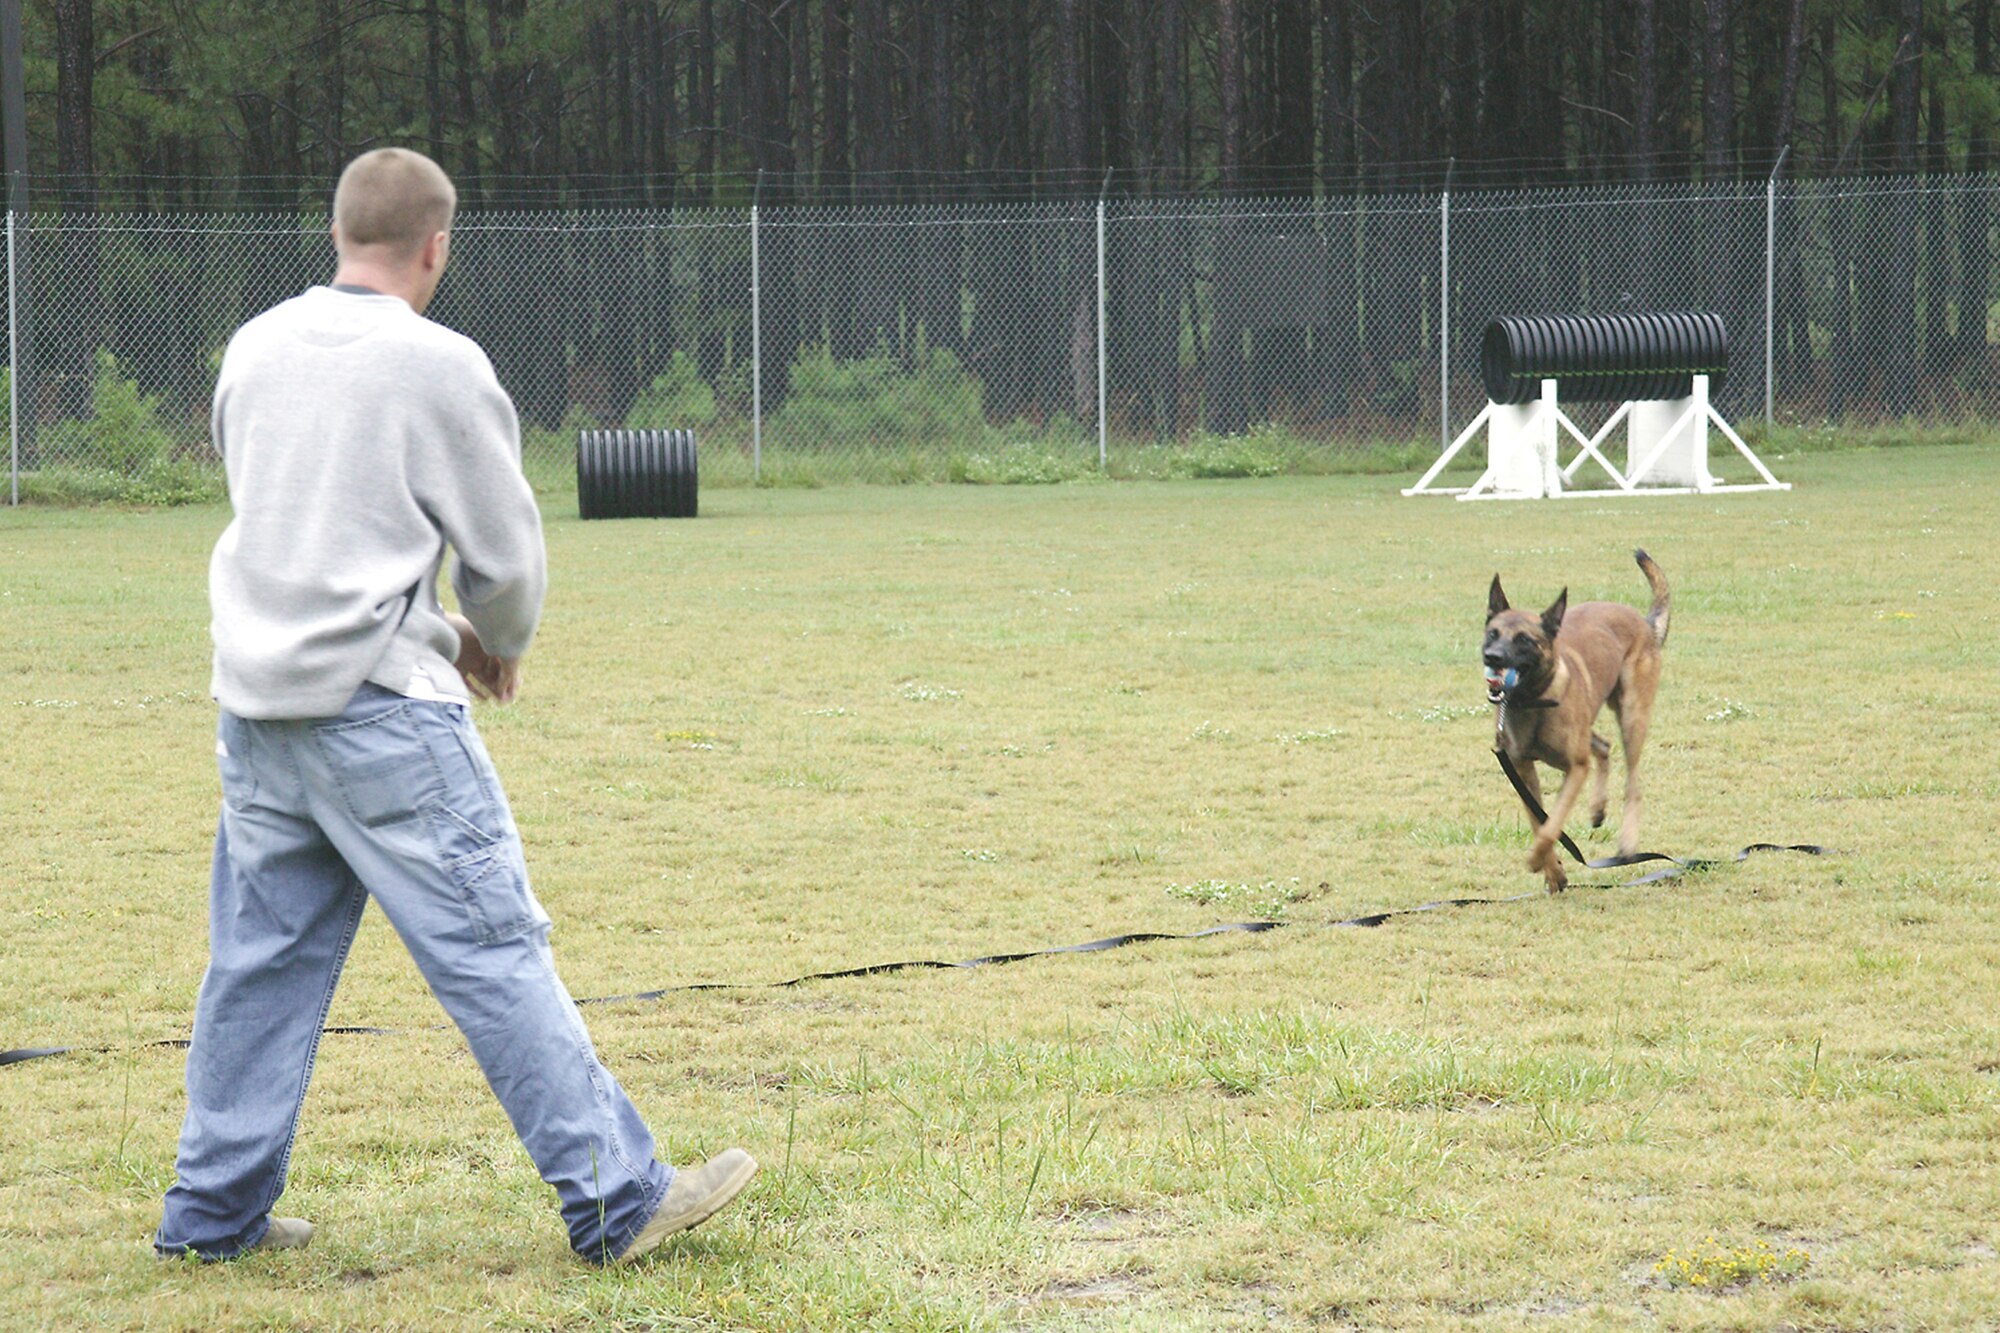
(1677, 865)
(1371, 919)
(1534, 803)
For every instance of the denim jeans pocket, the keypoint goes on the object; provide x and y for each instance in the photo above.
(232, 760)
(382, 764)
(475, 833)
(492, 882)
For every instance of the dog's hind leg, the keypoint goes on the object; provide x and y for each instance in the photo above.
(1635, 717)
(1600, 778)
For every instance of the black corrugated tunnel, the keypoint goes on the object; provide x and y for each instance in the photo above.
(1603, 358)
(636, 474)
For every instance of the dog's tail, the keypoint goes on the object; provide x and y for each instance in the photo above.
(1663, 597)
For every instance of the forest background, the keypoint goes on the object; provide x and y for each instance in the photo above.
(916, 315)
(197, 104)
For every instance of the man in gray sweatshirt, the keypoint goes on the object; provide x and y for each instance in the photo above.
(360, 441)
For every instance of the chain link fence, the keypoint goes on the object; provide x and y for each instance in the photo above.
(1034, 341)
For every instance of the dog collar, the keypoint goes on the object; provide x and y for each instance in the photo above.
(1537, 702)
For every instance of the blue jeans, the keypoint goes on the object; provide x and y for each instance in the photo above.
(395, 799)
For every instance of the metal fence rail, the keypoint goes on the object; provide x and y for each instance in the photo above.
(893, 343)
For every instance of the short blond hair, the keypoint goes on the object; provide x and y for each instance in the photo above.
(393, 197)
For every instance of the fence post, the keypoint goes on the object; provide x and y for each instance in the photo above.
(1444, 310)
(756, 344)
(1771, 275)
(1103, 452)
(13, 379)
(12, 101)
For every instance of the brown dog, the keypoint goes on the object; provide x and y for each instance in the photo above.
(1550, 675)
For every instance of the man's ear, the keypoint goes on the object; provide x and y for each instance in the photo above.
(1496, 600)
(1552, 619)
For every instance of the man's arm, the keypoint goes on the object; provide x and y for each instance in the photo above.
(468, 478)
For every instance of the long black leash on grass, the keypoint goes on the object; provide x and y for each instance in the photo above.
(1678, 865)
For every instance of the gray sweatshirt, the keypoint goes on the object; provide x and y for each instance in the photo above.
(360, 439)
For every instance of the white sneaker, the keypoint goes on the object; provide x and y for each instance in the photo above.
(696, 1194)
(285, 1233)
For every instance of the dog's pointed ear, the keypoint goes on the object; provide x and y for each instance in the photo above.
(1496, 600)
(1552, 619)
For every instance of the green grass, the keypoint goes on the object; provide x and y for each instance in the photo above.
(825, 727)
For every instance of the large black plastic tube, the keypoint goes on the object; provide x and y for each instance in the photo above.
(636, 474)
(1602, 358)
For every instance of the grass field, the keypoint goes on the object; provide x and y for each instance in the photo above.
(825, 728)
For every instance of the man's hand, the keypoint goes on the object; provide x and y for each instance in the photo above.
(495, 679)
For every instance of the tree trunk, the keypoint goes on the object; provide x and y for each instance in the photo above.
(874, 93)
(937, 296)
(1646, 89)
(703, 115)
(624, 150)
(1938, 241)
(332, 78)
(1284, 384)
(1336, 94)
(1718, 90)
(769, 91)
(434, 113)
(1793, 355)
(75, 71)
(1173, 24)
(75, 335)
(836, 163)
(1900, 306)
(1113, 59)
(1397, 247)
(462, 69)
(1291, 134)
(875, 256)
(508, 96)
(802, 99)
(1225, 368)
(1072, 164)
(1906, 84)
(1788, 88)
(1070, 156)
(1975, 255)
(1334, 339)
(1229, 58)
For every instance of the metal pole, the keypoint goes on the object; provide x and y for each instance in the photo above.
(1444, 311)
(1103, 451)
(756, 345)
(13, 380)
(13, 99)
(1770, 275)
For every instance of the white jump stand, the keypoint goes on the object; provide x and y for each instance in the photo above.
(1666, 451)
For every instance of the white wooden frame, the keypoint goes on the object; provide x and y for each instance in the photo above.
(1522, 443)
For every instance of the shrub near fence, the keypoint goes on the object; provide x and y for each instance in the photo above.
(1139, 336)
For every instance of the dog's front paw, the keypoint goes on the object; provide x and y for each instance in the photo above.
(1545, 860)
